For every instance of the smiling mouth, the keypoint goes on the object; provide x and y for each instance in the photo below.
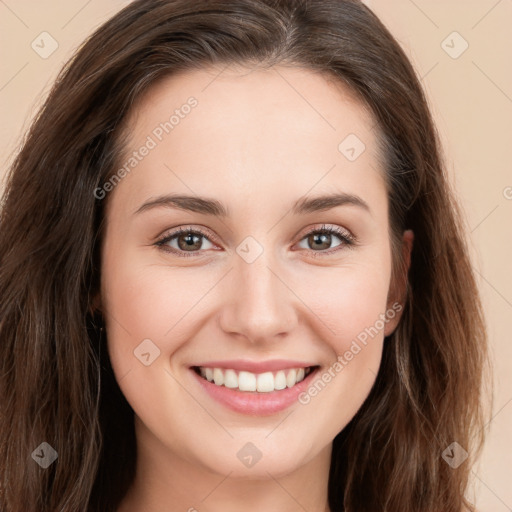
(266, 382)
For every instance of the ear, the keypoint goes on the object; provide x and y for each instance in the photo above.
(398, 288)
(95, 304)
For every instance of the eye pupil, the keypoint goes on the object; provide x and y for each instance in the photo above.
(323, 239)
(189, 241)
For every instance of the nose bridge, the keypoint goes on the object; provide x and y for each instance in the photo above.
(260, 305)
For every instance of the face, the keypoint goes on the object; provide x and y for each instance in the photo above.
(245, 315)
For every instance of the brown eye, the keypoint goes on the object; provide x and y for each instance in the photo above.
(321, 241)
(185, 241)
(189, 242)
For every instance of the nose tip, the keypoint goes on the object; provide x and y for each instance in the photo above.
(260, 306)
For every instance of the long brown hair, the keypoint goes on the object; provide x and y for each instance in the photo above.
(56, 382)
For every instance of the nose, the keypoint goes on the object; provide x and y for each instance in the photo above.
(260, 305)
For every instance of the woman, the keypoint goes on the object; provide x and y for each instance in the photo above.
(233, 274)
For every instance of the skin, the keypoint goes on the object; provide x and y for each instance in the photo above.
(258, 141)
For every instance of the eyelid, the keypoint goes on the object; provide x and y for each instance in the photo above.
(348, 240)
(172, 233)
(329, 228)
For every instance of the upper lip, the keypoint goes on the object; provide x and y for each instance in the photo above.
(255, 366)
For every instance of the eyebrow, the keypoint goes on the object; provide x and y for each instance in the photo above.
(208, 206)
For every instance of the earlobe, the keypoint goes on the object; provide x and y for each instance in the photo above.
(396, 300)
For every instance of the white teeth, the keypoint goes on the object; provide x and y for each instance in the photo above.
(218, 376)
(230, 379)
(265, 382)
(280, 380)
(247, 381)
(291, 378)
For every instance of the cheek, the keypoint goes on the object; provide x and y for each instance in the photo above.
(348, 301)
(164, 305)
(350, 304)
(151, 302)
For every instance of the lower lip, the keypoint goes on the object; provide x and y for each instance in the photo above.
(252, 402)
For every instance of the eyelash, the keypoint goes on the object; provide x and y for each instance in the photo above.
(347, 240)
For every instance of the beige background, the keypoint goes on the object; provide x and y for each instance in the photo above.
(471, 97)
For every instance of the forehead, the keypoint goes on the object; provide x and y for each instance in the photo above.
(233, 96)
(249, 130)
